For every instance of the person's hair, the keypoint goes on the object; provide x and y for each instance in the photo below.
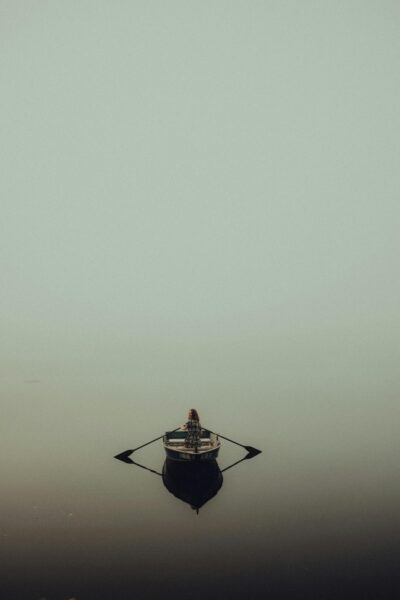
(193, 415)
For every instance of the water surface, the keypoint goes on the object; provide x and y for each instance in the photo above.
(200, 208)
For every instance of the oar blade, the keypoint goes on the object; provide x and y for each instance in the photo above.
(124, 457)
(252, 452)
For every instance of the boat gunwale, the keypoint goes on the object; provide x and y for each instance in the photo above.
(213, 444)
(199, 450)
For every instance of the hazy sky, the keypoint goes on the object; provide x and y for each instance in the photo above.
(179, 176)
(197, 188)
(200, 206)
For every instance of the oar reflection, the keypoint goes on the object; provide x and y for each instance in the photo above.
(190, 471)
(193, 483)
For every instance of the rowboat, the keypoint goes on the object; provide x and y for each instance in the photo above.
(178, 445)
(190, 471)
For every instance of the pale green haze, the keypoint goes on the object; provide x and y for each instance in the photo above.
(199, 207)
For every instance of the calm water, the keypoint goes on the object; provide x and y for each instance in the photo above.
(200, 208)
(292, 522)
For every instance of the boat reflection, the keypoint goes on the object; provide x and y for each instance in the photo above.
(193, 483)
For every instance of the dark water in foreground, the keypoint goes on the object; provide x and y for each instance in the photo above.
(289, 523)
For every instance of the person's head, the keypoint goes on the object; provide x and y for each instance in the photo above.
(193, 415)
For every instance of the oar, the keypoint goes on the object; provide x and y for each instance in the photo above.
(251, 451)
(127, 452)
(146, 468)
(234, 464)
(124, 456)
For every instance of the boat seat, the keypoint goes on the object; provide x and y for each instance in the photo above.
(180, 440)
(176, 434)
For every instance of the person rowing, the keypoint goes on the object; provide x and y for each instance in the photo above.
(193, 428)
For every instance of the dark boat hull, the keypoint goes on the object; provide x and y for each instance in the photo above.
(182, 456)
(192, 482)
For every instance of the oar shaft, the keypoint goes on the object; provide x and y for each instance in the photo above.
(233, 464)
(152, 441)
(228, 439)
(146, 468)
(148, 443)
